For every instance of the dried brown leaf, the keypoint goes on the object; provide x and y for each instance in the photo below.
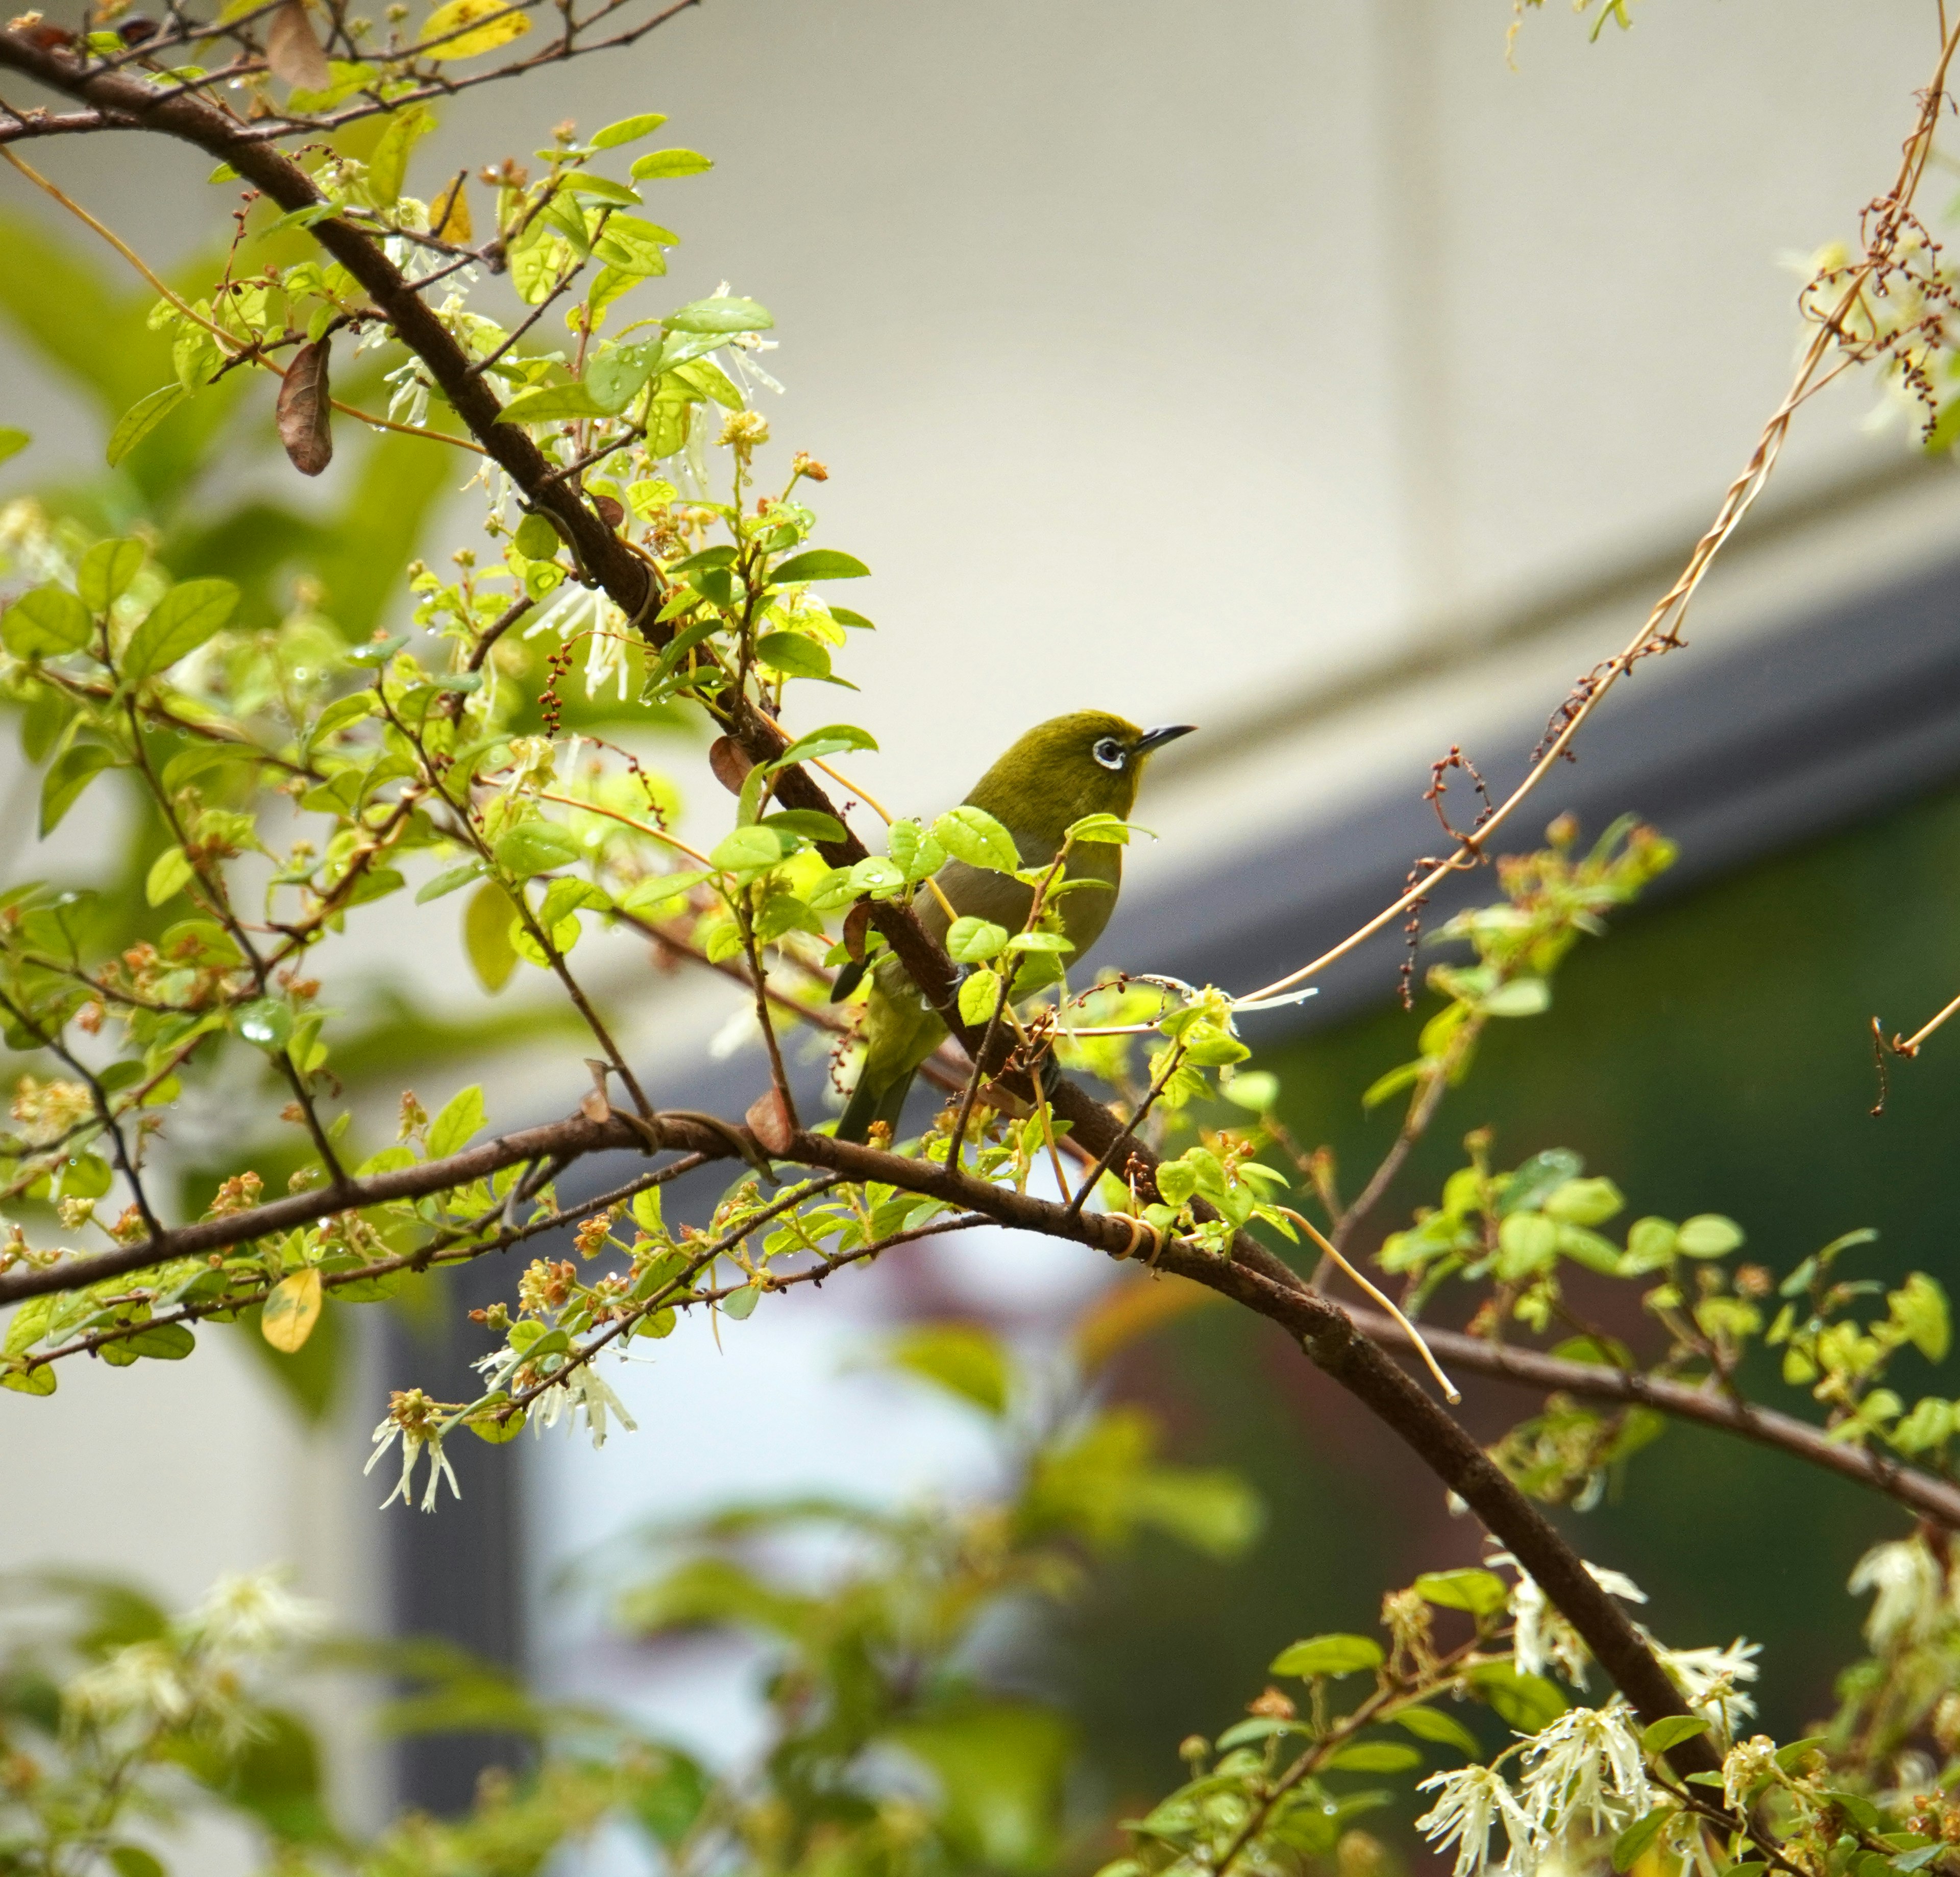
(730, 766)
(856, 921)
(294, 52)
(306, 413)
(769, 1119)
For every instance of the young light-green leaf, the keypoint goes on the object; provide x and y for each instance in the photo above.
(627, 130)
(169, 874)
(141, 417)
(972, 834)
(179, 623)
(972, 941)
(818, 564)
(46, 623)
(719, 314)
(1329, 1655)
(461, 1116)
(69, 774)
(657, 165)
(1670, 1730)
(107, 571)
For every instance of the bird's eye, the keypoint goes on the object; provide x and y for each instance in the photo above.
(1109, 753)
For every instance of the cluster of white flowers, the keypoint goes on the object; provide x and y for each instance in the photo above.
(191, 1675)
(1585, 1770)
(1585, 1774)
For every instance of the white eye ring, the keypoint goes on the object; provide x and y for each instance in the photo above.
(1109, 753)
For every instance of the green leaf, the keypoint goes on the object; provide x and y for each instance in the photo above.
(1375, 1756)
(1708, 1235)
(67, 775)
(1670, 1731)
(634, 246)
(1050, 942)
(1481, 1592)
(1629, 1846)
(615, 376)
(1523, 996)
(1106, 830)
(388, 165)
(1427, 1723)
(719, 314)
(1790, 1758)
(808, 824)
(833, 739)
(461, 1116)
(163, 1342)
(106, 571)
(1586, 1202)
(627, 130)
(131, 1860)
(1919, 1308)
(498, 1432)
(179, 623)
(486, 936)
(972, 834)
(40, 1381)
(749, 849)
(1329, 1655)
(1527, 1702)
(656, 165)
(793, 655)
(267, 1022)
(1537, 1179)
(28, 1325)
(141, 417)
(448, 881)
(169, 874)
(914, 852)
(1393, 1082)
(12, 441)
(979, 991)
(972, 941)
(553, 404)
(818, 564)
(535, 846)
(46, 623)
(961, 1358)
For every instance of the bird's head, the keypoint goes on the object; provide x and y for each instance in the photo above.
(1086, 763)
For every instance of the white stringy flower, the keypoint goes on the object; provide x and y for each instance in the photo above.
(1707, 1679)
(1589, 1763)
(1910, 1598)
(144, 1678)
(1472, 1799)
(1542, 1634)
(253, 1613)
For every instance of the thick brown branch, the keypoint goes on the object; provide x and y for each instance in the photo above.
(1933, 1498)
(565, 1140)
(1336, 1345)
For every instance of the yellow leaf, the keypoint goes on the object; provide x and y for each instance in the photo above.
(503, 23)
(453, 206)
(291, 1310)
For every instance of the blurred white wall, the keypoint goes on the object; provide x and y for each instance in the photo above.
(1182, 360)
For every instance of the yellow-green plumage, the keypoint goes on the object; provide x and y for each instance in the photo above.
(1086, 763)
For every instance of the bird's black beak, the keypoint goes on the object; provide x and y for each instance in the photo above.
(1163, 733)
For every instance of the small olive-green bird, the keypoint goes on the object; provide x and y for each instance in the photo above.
(1086, 763)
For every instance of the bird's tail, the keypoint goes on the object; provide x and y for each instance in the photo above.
(868, 1104)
